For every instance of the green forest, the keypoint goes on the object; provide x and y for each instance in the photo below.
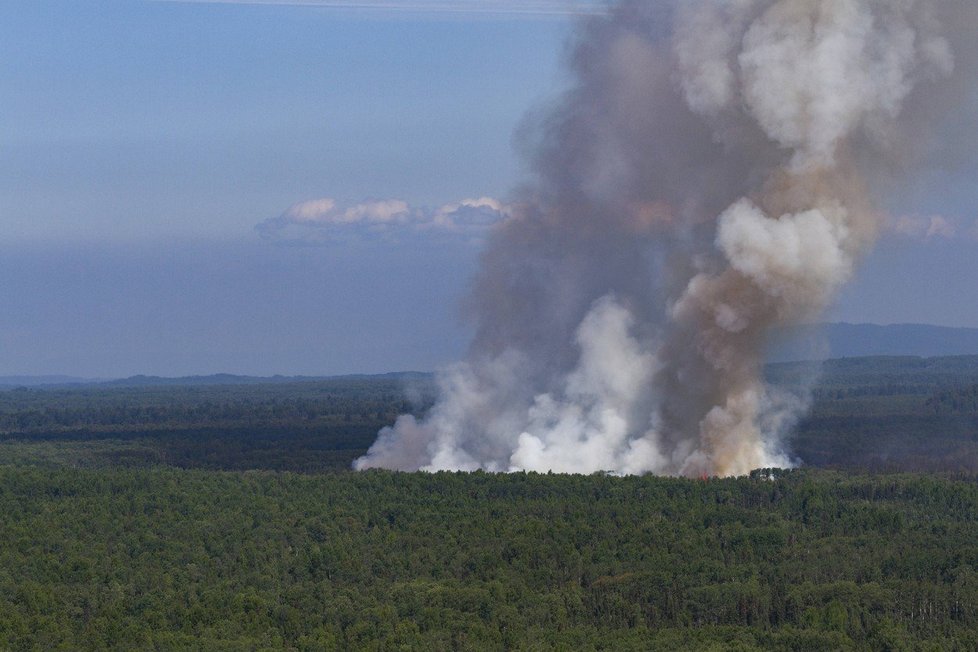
(225, 517)
(178, 559)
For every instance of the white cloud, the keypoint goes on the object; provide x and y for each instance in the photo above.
(923, 227)
(470, 214)
(377, 212)
(315, 210)
(321, 221)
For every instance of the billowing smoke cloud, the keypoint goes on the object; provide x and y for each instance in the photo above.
(323, 221)
(710, 178)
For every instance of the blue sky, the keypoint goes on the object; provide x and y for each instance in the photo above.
(142, 142)
(146, 119)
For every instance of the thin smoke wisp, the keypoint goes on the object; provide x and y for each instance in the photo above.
(712, 177)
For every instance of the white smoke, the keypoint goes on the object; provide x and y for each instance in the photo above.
(588, 425)
(707, 181)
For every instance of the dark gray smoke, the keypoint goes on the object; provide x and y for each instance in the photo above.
(711, 177)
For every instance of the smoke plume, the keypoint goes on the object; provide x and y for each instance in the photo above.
(711, 177)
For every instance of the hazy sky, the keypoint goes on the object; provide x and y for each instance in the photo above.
(141, 143)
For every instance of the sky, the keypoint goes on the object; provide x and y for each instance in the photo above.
(296, 188)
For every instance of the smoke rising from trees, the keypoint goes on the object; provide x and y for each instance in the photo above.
(711, 177)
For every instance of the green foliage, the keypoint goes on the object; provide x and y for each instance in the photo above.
(306, 426)
(887, 413)
(171, 559)
(132, 518)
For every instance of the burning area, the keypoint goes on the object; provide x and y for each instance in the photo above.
(712, 177)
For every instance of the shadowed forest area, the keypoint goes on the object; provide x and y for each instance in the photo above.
(887, 413)
(224, 516)
(876, 413)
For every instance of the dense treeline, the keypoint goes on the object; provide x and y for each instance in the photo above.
(909, 414)
(108, 407)
(105, 547)
(308, 426)
(962, 400)
(887, 413)
(170, 559)
(921, 374)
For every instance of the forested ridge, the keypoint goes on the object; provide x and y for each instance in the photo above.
(307, 426)
(884, 413)
(171, 559)
(33, 411)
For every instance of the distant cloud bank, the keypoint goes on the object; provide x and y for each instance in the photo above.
(323, 221)
(927, 227)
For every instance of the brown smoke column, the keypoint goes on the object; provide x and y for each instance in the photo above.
(711, 177)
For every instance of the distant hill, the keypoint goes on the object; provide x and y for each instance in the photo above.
(878, 375)
(816, 342)
(35, 381)
(231, 379)
(843, 340)
(212, 379)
